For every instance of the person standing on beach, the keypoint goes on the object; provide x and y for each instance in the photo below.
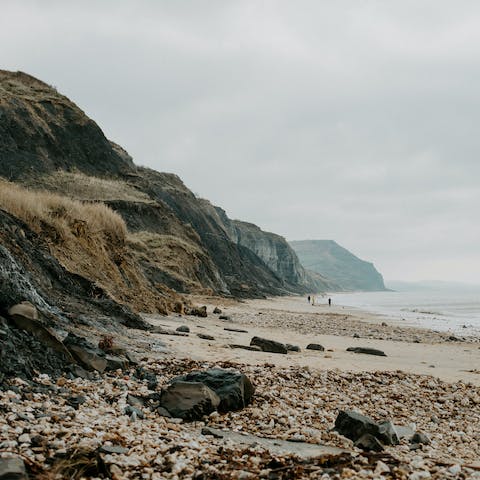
(308, 298)
(329, 302)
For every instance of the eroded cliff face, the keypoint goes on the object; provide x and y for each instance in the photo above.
(337, 263)
(176, 239)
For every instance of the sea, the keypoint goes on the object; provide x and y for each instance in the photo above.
(441, 309)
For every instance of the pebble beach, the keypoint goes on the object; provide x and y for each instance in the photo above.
(84, 428)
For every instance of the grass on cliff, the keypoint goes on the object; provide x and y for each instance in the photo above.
(63, 216)
(84, 187)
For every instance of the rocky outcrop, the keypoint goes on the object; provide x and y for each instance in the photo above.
(339, 265)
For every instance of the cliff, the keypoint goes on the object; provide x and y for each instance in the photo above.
(173, 240)
(339, 265)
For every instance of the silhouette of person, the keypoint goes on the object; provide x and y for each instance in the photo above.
(308, 298)
(329, 302)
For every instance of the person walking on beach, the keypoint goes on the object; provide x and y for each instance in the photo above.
(308, 298)
(329, 302)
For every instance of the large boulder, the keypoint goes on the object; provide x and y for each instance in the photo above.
(188, 400)
(234, 389)
(269, 345)
(90, 357)
(12, 468)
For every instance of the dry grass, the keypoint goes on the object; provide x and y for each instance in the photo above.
(63, 217)
(83, 187)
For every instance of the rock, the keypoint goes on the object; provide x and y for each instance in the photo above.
(75, 402)
(166, 331)
(292, 348)
(369, 443)
(217, 311)
(234, 389)
(197, 311)
(252, 348)
(116, 363)
(24, 310)
(211, 431)
(239, 330)
(384, 324)
(113, 449)
(356, 335)
(183, 328)
(189, 400)
(204, 336)
(366, 350)
(420, 438)
(354, 425)
(134, 401)
(315, 346)
(88, 358)
(149, 377)
(133, 411)
(163, 412)
(12, 468)
(269, 345)
(227, 318)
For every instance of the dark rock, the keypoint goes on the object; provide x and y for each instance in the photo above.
(227, 318)
(234, 389)
(356, 335)
(116, 363)
(197, 311)
(204, 336)
(212, 432)
(369, 443)
(366, 350)
(453, 338)
(132, 359)
(420, 438)
(217, 311)
(80, 372)
(239, 330)
(183, 328)
(384, 324)
(163, 412)
(292, 348)
(252, 348)
(269, 345)
(75, 402)
(149, 377)
(113, 449)
(166, 331)
(12, 468)
(354, 425)
(189, 400)
(315, 346)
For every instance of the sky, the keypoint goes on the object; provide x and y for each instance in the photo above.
(347, 120)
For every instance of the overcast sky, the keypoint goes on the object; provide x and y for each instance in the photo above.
(348, 120)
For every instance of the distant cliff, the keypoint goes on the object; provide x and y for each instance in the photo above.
(275, 251)
(339, 265)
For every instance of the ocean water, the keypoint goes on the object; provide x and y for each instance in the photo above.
(444, 310)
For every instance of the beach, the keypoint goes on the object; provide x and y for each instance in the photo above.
(427, 382)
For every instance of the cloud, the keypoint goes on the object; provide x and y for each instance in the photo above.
(352, 120)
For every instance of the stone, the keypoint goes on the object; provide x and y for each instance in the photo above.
(189, 400)
(134, 401)
(24, 310)
(227, 318)
(252, 348)
(12, 468)
(88, 358)
(183, 328)
(239, 330)
(113, 449)
(354, 425)
(292, 348)
(234, 389)
(204, 336)
(367, 351)
(217, 311)
(166, 331)
(197, 311)
(369, 443)
(420, 438)
(133, 411)
(315, 346)
(115, 362)
(75, 402)
(269, 345)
